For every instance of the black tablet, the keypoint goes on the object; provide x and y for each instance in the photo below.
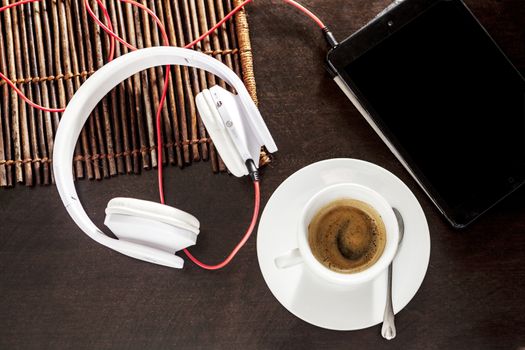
(444, 98)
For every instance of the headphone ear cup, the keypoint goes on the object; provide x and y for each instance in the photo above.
(151, 224)
(226, 146)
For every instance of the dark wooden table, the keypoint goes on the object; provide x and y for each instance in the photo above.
(58, 289)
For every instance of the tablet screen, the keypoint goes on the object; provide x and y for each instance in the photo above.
(451, 102)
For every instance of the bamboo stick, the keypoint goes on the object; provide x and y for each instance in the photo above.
(24, 130)
(101, 111)
(177, 77)
(159, 77)
(190, 12)
(198, 76)
(3, 174)
(118, 108)
(92, 129)
(64, 88)
(47, 140)
(15, 117)
(172, 125)
(172, 99)
(137, 90)
(108, 148)
(223, 32)
(129, 97)
(192, 111)
(96, 135)
(112, 101)
(42, 146)
(33, 95)
(65, 46)
(205, 78)
(215, 44)
(49, 71)
(151, 73)
(207, 47)
(233, 39)
(104, 37)
(200, 17)
(117, 132)
(78, 62)
(5, 134)
(145, 79)
(48, 45)
(3, 109)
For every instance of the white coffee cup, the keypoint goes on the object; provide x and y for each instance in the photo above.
(303, 253)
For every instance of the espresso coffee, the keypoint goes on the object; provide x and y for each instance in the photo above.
(347, 236)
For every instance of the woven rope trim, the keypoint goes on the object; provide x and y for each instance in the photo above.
(264, 158)
(245, 52)
(221, 52)
(111, 155)
(35, 80)
(25, 161)
(67, 76)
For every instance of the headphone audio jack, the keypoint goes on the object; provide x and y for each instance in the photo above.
(329, 37)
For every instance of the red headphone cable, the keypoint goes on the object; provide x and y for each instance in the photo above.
(256, 181)
(113, 36)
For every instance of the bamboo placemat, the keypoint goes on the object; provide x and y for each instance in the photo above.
(50, 48)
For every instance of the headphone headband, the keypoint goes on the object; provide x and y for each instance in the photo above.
(89, 95)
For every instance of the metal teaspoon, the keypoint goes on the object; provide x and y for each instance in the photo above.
(388, 331)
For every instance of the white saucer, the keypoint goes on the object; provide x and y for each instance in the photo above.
(304, 294)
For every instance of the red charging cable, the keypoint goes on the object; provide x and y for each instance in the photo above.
(113, 36)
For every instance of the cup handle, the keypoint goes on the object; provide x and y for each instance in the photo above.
(292, 258)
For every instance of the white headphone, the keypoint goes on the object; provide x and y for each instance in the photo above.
(146, 230)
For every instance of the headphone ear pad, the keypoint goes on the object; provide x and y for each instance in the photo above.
(151, 233)
(151, 224)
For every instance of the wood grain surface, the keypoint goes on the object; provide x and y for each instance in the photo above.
(59, 289)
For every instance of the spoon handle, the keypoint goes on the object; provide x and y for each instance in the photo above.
(388, 331)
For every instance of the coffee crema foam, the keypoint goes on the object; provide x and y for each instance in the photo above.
(347, 236)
